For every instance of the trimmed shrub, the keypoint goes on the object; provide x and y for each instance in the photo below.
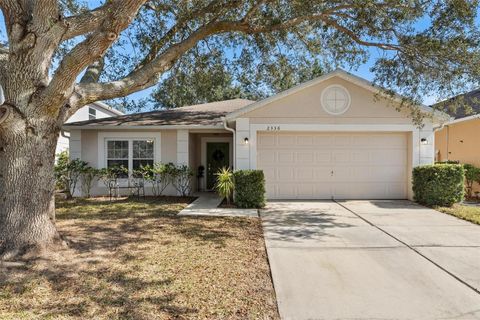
(249, 188)
(472, 174)
(439, 185)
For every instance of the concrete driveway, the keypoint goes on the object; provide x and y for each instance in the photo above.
(371, 260)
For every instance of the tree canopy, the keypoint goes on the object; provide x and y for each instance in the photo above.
(204, 50)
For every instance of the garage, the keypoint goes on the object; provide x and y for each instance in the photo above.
(338, 165)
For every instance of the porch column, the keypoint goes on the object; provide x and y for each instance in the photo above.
(182, 147)
(75, 144)
(242, 148)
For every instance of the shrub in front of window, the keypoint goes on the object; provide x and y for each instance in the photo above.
(109, 176)
(439, 185)
(249, 188)
(89, 175)
(181, 179)
(163, 174)
(68, 173)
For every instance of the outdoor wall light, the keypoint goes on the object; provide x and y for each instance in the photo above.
(245, 140)
(424, 141)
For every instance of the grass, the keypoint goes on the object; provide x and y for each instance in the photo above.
(139, 260)
(469, 213)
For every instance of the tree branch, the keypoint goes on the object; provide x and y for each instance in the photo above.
(94, 71)
(86, 52)
(88, 21)
(147, 75)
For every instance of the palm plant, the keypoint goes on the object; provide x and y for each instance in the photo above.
(225, 184)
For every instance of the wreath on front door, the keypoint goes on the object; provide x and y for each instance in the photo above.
(218, 155)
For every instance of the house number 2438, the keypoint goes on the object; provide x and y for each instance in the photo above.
(273, 128)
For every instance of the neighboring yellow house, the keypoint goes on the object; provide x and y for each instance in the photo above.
(459, 139)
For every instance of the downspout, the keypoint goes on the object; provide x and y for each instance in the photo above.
(225, 125)
(62, 133)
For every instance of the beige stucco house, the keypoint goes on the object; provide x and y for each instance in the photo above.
(335, 136)
(459, 139)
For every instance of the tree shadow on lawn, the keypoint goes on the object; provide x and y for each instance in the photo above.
(119, 265)
(104, 209)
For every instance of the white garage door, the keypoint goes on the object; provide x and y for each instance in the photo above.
(333, 165)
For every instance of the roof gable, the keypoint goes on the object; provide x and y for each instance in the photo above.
(337, 73)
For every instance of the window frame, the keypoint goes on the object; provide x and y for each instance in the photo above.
(107, 158)
(92, 116)
(121, 134)
(133, 159)
(130, 158)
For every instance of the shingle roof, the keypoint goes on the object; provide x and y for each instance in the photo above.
(457, 106)
(207, 114)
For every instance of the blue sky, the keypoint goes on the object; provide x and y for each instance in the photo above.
(362, 70)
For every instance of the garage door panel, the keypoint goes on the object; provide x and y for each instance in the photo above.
(306, 157)
(306, 140)
(341, 174)
(286, 140)
(305, 174)
(266, 140)
(286, 157)
(342, 140)
(323, 191)
(341, 156)
(285, 174)
(286, 190)
(395, 157)
(323, 157)
(266, 156)
(323, 140)
(269, 173)
(306, 190)
(360, 156)
(270, 188)
(340, 165)
(389, 174)
(323, 174)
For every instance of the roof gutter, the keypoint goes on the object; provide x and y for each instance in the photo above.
(225, 125)
(140, 127)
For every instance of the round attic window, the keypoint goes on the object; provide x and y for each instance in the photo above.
(335, 99)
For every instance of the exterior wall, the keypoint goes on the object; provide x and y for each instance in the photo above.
(459, 142)
(81, 115)
(302, 111)
(175, 147)
(304, 107)
(85, 144)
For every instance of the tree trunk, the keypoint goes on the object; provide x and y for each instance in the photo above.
(27, 155)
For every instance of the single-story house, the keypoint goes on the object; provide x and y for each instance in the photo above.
(458, 139)
(336, 136)
(96, 110)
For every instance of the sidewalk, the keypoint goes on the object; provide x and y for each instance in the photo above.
(207, 205)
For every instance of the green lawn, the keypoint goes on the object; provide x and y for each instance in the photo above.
(468, 213)
(139, 260)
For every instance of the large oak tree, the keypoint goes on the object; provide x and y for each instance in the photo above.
(61, 55)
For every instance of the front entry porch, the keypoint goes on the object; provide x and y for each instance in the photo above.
(208, 153)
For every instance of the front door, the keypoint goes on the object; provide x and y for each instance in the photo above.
(218, 156)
